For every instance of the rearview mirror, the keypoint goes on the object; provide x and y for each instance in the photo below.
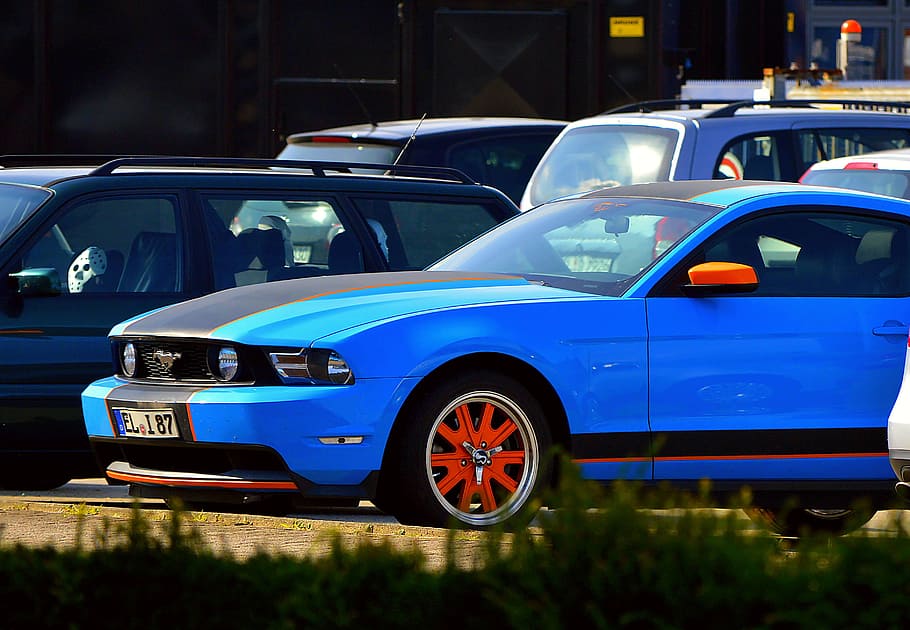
(713, 278)
(40, 281)
(616, 224)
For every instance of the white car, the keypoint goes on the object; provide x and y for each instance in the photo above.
(883, 172)
(899, 435)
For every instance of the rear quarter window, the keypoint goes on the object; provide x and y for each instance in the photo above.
(815, 145)
(420, 232)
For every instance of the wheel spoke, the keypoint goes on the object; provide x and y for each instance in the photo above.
(453, 476)
(487, 500)
(509, 457)
(454, 436)
(467, 493)
(501, 434)
(497, 471)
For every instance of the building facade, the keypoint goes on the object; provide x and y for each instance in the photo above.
(234, 77)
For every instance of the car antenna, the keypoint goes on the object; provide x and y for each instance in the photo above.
(408, 143)
(363, 107)
(616, 82)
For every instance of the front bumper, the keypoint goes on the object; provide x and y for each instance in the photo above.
(248, 439)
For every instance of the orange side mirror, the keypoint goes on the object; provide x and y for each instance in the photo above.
(721, 277)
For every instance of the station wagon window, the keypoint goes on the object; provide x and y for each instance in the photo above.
(819, 254)
(417, 233)
(259, 239)
(815, 145)
(16, 204)
(112, 245)
(751, 157)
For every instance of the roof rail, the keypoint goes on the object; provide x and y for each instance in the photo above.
(731, 106)
(888, 107)
(319, 169)
(56, 159)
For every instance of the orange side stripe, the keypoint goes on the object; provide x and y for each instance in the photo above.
(695, 458)
(189, 419)
(239, 483)
(788, 456)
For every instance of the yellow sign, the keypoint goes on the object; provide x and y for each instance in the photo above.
(791, 21)
(627, 27)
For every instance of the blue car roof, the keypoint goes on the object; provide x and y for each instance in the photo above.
(719, 192)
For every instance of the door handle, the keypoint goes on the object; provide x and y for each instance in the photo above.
(889, 329)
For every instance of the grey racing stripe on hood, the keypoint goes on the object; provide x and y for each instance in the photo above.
(212, 311)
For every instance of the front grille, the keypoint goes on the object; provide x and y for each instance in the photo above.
(192, 361)
(173, 361)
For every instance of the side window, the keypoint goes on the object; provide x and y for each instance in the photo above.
(750, 157)
(413, 234)
(113, 245)
(819, 254)
(259, 239)
(505, 163)
(824, 144)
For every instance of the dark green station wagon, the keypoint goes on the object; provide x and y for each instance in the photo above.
(84, 247)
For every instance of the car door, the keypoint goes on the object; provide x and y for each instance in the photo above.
(96, 261)
(795, 380)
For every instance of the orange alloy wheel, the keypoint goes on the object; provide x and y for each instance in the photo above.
(482, 458)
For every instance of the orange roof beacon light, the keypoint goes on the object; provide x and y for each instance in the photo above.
(850, 35)
(851, 31)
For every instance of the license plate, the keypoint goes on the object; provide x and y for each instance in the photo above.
(302, 253)
(146, 423)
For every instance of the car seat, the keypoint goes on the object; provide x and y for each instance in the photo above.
(826, 269)
(345, 254)
(151, 266)
(759, 167)
(260, 256)
(881, 259)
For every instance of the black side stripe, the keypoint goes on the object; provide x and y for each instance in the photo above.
(731, 443)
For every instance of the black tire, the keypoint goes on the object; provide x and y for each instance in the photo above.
(808, 521)
(479, 426)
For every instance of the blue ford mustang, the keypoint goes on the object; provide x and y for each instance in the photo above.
(749, 333)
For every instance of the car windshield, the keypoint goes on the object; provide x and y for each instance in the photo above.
(341, 150)
(602, 156)
(883, 182)
(16, 204)
(596, 245)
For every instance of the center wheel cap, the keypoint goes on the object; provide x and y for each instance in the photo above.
(481, 457)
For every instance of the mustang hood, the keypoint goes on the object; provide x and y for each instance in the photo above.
(315, 307)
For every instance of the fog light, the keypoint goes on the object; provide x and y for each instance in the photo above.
(128, 359)
(227, 364)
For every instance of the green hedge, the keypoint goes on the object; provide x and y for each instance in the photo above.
(617, 566)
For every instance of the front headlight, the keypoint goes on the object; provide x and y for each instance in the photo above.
(128, 359)
(313, 366)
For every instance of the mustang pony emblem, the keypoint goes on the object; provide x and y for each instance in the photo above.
(167, 359)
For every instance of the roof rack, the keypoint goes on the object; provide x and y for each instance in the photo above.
(888, 107)
(56, 159)
(730, 107)
(320, 169)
